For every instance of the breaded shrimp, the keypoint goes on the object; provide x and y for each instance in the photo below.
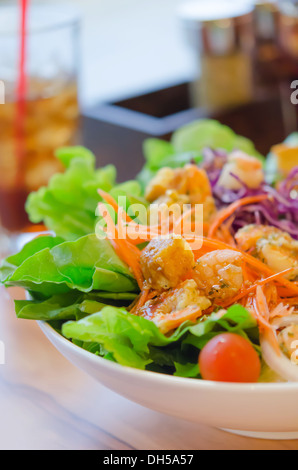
(248, 236)
(169, 310)
(219, 274)
(274, 247)
(163, 181)
(248, 169)
(165, 262)
(188, 185)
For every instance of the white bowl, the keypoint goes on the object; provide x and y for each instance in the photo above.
(266, 411)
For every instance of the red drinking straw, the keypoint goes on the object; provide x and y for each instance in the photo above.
(21, 95)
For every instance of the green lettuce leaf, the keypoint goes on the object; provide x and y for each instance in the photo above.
(237, 320)
(67, 206)
(156, 150)
(188, 370)
(67, 154)
(136, 342)
(187, 146)
(209, 133)
(86, 264)
(10, 264)
(73, 305)
(159, 153)
(70, 306)
(125, 336)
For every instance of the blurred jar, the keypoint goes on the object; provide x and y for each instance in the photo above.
(288, 32)
(288, 43)
(50, 114)
(222, 35)
(267, 56)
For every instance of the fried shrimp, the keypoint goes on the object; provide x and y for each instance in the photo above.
(219, 274)
(274, 247)
(248, 236)
(188, 185)
(165, 262)
(163, 181)
(241, 168)
(172, 308)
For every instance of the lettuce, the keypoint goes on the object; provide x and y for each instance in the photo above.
(156, 150)
(67, 206)
(187, 146)
(136, 342)
(188, 370)
(124, 335)
(236, 320)
(209, 133)
(70, 306)
(73, 305)
(79, 284)
(86, 264)
(10, 264)
(158, 154)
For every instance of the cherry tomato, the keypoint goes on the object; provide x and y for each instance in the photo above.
(229, 358)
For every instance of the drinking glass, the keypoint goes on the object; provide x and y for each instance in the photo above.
(49, 116)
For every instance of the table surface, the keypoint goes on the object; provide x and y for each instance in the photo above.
(47, 403)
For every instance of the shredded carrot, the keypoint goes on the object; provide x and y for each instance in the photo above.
(171, 321)
(271, 293)
(262, 303)
(35, 228)
(262, 316)
(225, 235)
(124, 252)
(259, 265)
(138, 234)
(135, 234)
(141, 234)
(229, 211)
(111, 201)
(142, 299)
(247, 276)
(280, 311)
(154, 293)
(127, 252)
(292, 301)
(252, 288)
(228, 236)
(179, 224)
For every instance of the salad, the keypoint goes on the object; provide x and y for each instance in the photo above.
(125, 277)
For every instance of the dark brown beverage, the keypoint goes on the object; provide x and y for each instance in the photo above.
(27, 159)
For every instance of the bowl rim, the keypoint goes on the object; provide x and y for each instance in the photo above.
(262, 388)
